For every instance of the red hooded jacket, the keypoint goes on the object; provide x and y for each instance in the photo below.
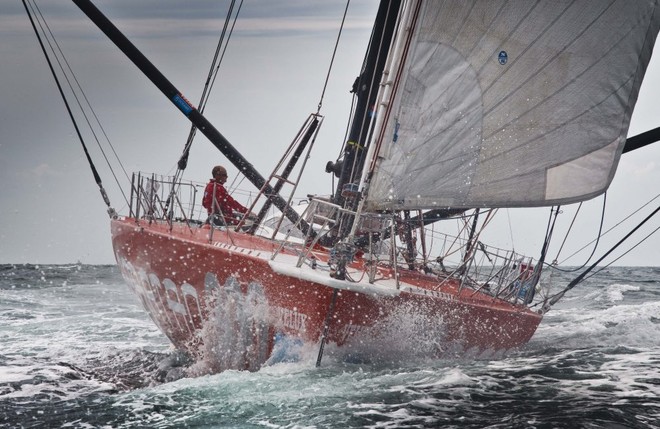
(224, 203)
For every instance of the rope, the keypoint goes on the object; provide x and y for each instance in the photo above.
(97, 177)
(583, 275)
(84, 96)
(332, 60)
(570, 227)
(210, 81)
(597, 241)
(208, 86)
(624, 253)
(622, 221)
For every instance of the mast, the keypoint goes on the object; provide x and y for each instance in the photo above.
(173, 94)
(366, 88)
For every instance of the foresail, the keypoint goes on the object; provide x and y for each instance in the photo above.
(512, 103)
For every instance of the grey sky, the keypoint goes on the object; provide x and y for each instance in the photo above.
(270, 81)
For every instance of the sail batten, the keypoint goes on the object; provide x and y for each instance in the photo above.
(504, 103)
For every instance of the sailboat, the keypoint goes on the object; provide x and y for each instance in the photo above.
(463, 107)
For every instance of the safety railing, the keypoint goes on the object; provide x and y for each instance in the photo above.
(157, 197)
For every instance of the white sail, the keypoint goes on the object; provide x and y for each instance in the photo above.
(512, 103)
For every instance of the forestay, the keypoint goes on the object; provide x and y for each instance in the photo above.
(512, 103)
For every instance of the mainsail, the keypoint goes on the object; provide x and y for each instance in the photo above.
(511, 103)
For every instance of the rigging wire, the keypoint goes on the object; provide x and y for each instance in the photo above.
(332, 60)
(618, 224)
(550, 228)
(46, 31)
(224, 49)
(570, 227)
(354, 90)
(327, 78)
(87, 102)
(596, 240)
(210, 81)
(624, 253)
(95, 173)
(508, 216)
(208, 86)
(584, 275)
(239, 178)
(556, 297)
(605, 233)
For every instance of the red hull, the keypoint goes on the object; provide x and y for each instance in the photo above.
(224, 302)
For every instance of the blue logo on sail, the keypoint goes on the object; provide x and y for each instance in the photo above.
(502, 58)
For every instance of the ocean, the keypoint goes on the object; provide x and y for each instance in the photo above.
(78, 351)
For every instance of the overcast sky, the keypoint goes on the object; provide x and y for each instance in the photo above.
(270, 81)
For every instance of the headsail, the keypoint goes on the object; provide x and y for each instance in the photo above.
(512, 103)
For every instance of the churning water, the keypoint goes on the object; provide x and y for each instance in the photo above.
(78, 351)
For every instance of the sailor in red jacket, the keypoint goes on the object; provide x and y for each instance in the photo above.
(217, 200)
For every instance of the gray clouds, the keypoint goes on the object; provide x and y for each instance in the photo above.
(271, 80)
